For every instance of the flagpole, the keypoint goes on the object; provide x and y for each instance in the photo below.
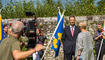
(52, 35)
(101, 43)
(59, 11)
(100, 49)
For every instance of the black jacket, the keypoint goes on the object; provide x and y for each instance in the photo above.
(69, 42)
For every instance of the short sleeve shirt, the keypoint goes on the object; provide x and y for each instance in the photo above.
(7, 46)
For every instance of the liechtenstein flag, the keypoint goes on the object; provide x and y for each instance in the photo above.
(1, 29)
(58, 34)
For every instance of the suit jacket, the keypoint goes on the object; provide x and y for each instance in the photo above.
(69, 41)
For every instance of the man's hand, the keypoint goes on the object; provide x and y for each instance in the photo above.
(17, 54)
(103, 37)
(39, 47)
(100, 35)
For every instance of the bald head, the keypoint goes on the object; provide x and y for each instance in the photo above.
(17, 27)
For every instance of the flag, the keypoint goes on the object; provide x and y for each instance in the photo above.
(1, 29)
(58, 34)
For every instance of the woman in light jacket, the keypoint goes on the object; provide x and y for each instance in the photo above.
(84, 44)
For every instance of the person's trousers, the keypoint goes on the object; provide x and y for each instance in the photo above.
(69, 56)
(102, 51)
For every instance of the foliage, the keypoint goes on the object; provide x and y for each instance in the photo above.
(49, 8)
(0, 4)
(101, 7)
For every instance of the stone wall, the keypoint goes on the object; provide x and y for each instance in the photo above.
(48, 24)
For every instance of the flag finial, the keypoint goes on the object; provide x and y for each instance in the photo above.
(58, 7)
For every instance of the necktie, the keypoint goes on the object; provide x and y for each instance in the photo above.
(72, 31)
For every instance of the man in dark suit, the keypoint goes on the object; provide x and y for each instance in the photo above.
(69, 37)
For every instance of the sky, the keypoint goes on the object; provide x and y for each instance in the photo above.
(4, 2)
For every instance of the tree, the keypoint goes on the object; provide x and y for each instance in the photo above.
(101, 7)
(69, 9)
(60, 5)
(84, 7)
(49, 8)
(39, 10)
(0, 4)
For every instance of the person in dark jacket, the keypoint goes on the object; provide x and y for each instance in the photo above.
(69, 37)
(98, 38)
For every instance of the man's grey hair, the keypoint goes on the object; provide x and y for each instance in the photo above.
(17, 27)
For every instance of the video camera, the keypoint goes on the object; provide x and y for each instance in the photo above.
(30, 31)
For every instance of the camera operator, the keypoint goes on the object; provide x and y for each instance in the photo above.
(98, 36)
(10, 47)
